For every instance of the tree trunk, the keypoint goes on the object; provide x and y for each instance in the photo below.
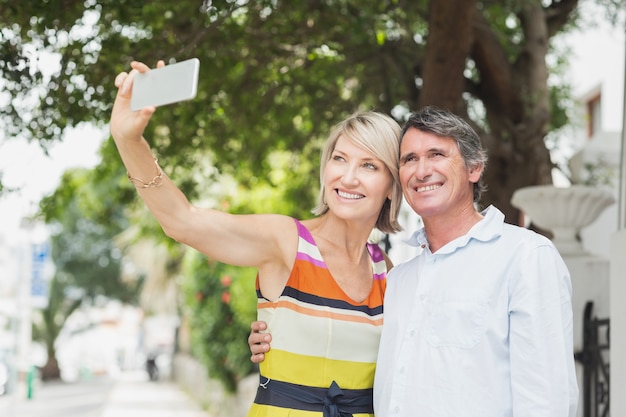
(51, 370)
(519, 121)
(513, 91)
(447, 48)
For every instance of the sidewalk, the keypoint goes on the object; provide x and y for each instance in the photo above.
(133, 395)
(128, 394)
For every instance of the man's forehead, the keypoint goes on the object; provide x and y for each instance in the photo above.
(425, 140)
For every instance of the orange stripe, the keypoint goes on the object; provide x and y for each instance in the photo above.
(317, 313)
(325, 286)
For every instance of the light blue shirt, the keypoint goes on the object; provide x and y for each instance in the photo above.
(480, 328)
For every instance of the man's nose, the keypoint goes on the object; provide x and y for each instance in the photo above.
(423, 169)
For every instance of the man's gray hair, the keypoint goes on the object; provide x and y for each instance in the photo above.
(443, 123)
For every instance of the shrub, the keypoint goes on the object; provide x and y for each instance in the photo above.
(221, 302)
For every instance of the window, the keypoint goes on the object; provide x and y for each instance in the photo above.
(594, 115)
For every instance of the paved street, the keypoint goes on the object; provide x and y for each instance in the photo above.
(57, 399)
(131, 394)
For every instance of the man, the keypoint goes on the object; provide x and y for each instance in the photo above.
(479, 324)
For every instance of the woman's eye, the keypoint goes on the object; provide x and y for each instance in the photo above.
(369, 165)
(338, 158)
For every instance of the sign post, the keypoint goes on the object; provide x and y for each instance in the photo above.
(39, 277)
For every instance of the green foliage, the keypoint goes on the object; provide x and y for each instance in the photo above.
(600, 174)
(221, 302)
(86, 260)
(220, 299)
(286, 190)
(274, 76)
(83, 247)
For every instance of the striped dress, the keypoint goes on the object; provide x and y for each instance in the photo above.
(320, 337)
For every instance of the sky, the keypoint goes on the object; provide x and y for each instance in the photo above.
(25, 166)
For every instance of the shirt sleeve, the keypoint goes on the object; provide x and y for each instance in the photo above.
(543, 377)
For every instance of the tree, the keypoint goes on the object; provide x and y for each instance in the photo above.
(92, 236)
(509, 78)
(47, 325)
(276, 74)
(216, 293)
(86, 259)
(220, 303)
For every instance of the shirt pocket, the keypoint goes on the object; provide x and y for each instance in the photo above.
(457, 318)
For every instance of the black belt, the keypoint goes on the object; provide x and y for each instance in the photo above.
(332, 401)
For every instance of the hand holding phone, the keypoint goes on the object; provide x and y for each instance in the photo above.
(165, 85)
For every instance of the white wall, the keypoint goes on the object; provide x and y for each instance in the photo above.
(618, 324)
(597, 65)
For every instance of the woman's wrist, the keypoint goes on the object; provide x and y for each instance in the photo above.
(156, 181)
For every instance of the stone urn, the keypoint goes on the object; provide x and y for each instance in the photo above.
(563, 211)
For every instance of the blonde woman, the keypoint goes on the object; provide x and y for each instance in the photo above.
(320, 284)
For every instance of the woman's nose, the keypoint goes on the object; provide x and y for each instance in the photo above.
(350, 176)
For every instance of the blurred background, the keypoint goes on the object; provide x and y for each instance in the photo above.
(90, 286)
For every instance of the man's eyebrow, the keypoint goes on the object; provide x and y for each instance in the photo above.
(432, 150)
(406, 156)
(437, 150)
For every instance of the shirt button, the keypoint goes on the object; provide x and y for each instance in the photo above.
(396, 410)
(412, 333)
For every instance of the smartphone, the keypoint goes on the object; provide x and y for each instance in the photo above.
(165, 85)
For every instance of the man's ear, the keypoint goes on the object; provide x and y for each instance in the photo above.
(475, 172)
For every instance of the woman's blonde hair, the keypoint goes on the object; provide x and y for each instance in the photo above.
(379, 134)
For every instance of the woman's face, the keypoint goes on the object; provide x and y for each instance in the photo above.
(356, 182)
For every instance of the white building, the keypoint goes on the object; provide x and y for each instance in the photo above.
(597, 75)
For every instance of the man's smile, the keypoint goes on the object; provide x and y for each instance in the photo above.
(428, 188)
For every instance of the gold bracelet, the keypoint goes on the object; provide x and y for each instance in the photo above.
(157, 181)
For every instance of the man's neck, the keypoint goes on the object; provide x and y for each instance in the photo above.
(441, 230)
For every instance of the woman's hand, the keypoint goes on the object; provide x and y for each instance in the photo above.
(126, 124)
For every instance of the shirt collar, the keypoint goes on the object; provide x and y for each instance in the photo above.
(490, 227)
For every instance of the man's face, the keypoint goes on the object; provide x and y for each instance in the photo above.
(434, 178)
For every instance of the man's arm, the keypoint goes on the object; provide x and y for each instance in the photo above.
(259, 342)
(543, 376)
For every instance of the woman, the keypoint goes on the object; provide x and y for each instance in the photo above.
(320, 284)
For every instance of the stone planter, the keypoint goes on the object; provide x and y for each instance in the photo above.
(563, 211)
